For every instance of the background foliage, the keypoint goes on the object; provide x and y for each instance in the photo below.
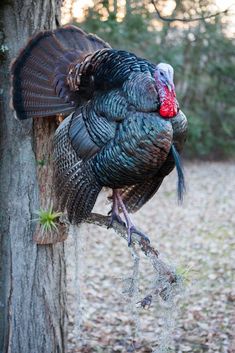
(201, 53)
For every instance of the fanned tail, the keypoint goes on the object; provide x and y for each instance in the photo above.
(72, 37)
(33, 93)
(39, 73)
(181, 181)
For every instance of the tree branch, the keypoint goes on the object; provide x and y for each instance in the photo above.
(104, 221)
(174, 19)
(168, 278)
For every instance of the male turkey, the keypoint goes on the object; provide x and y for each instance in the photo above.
(124, 128)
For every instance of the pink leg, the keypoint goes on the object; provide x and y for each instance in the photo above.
(115, 210)
(130, 226)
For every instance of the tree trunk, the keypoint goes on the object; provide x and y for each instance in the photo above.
(33, 316)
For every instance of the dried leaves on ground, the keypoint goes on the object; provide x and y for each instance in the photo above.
(197, 239)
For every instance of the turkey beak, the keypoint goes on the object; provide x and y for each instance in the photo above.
(169, 86)
(169, 82)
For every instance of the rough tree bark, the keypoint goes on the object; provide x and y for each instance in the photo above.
(33, 313)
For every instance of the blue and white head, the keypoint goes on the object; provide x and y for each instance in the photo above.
(164, 74)
(164, 78)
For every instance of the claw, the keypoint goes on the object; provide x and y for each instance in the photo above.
(115, 218)
(117, 205)
(132, 229)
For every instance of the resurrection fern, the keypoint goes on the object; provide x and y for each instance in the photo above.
(184, 274)
(48, 219)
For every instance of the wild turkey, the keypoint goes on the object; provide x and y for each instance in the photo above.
(124, 128)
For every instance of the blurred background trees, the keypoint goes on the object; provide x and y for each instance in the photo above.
(202, 53)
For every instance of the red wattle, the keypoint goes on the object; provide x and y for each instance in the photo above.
(169, 105)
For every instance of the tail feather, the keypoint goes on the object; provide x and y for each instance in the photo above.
(39, 74)
(72, 37)
(37, 87)
(46, 112)
(75, 38)
(60, 77)
(181, 181)
(32, 75)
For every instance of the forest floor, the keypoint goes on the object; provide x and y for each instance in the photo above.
(197, 239)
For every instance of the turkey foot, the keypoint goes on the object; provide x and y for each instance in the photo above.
(132, 229)
(130, 226)
(114, 216)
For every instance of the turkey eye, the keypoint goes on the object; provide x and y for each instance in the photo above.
(161, 73)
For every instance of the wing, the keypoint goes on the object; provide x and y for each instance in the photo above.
(75, 184)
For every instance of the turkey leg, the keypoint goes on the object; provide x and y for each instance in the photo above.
(115, 211)
(118, 203)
